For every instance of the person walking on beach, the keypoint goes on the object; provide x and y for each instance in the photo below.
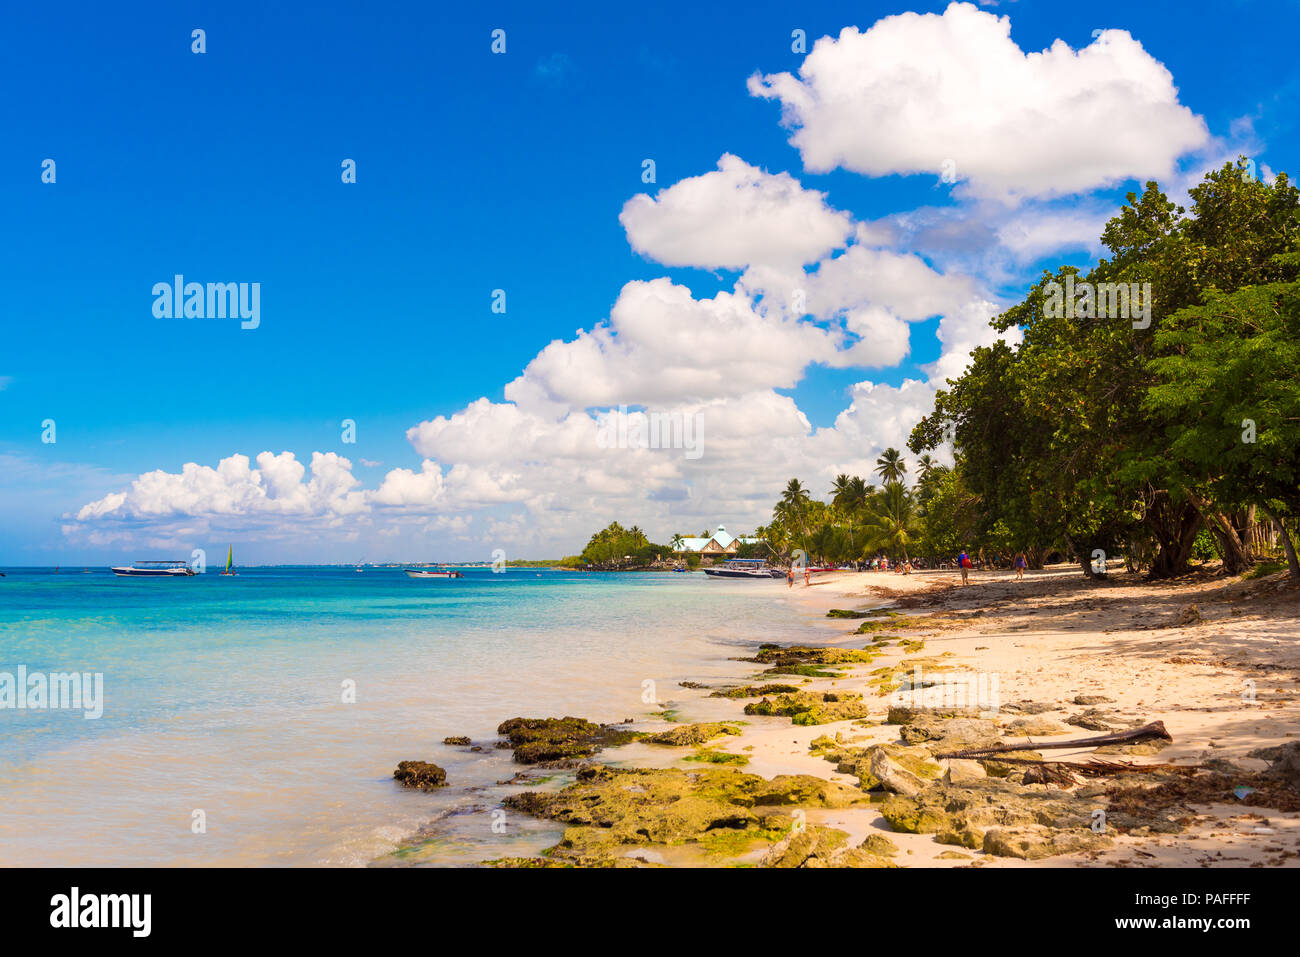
(1021, 564)
(963, 562)
(789, 577)
(807, 576)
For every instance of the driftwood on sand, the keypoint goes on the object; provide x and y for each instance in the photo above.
(1156, 729)
(1095, 768)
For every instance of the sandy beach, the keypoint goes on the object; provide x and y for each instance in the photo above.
(1214, 659)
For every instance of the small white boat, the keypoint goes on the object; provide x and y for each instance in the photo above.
(155, 570)
(432, 573)
(744, 568)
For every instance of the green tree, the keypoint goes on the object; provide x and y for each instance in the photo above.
(1227, 386)
(892, 526)
(1055, 437)
(924, 465)
(890, 466)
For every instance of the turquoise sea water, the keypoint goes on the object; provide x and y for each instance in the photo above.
(225, 696)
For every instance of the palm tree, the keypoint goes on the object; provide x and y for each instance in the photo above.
(795, 495)
(677, 542)
(840, 490)
(850, 496)
(924, 465)
(794, 504)
(777, 538)
(892, 526)
(891, 468)
(842, 500)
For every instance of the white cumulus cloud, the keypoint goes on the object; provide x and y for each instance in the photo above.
(733, 217)
(916, 91)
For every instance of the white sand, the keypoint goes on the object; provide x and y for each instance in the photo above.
(1055, 636)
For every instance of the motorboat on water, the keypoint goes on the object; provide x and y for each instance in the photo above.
(432, 573)
(744, 568)
(155, 570)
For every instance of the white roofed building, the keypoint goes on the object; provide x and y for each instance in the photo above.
(719, 543)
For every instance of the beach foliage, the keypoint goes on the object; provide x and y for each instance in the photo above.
(617, 547)
(1131, 436)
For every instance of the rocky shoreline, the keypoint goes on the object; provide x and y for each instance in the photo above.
(883, 736)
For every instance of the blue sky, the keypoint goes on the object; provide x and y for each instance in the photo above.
(475, 172)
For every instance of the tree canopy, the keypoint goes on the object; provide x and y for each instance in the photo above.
(1163, 400)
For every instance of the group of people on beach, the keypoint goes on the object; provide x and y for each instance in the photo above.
(883, 564)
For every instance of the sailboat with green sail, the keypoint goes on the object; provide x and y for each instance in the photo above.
(230, 561)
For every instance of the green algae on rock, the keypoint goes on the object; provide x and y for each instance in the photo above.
(1027, 822)
(714, 756)
(804, 671)
(530, 862)
(823, 847)
(805, 789)
(753, 691)
(824, 745)
(812, 707)
(420, 775)
(691, 735)
(795, 849)
(892, 622)
(610, 809)
(879, 845)
(769, 654)
(902, 770)
(535, 740)
(847, 613)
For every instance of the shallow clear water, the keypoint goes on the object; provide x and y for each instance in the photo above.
(225, 695)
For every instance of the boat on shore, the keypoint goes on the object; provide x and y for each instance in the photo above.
(155, 570)
(744, 568)
(432, 573)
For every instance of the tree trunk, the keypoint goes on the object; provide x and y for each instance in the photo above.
(1236, 554)
(1293, 564)
(1084, 557)
(1175, 528)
